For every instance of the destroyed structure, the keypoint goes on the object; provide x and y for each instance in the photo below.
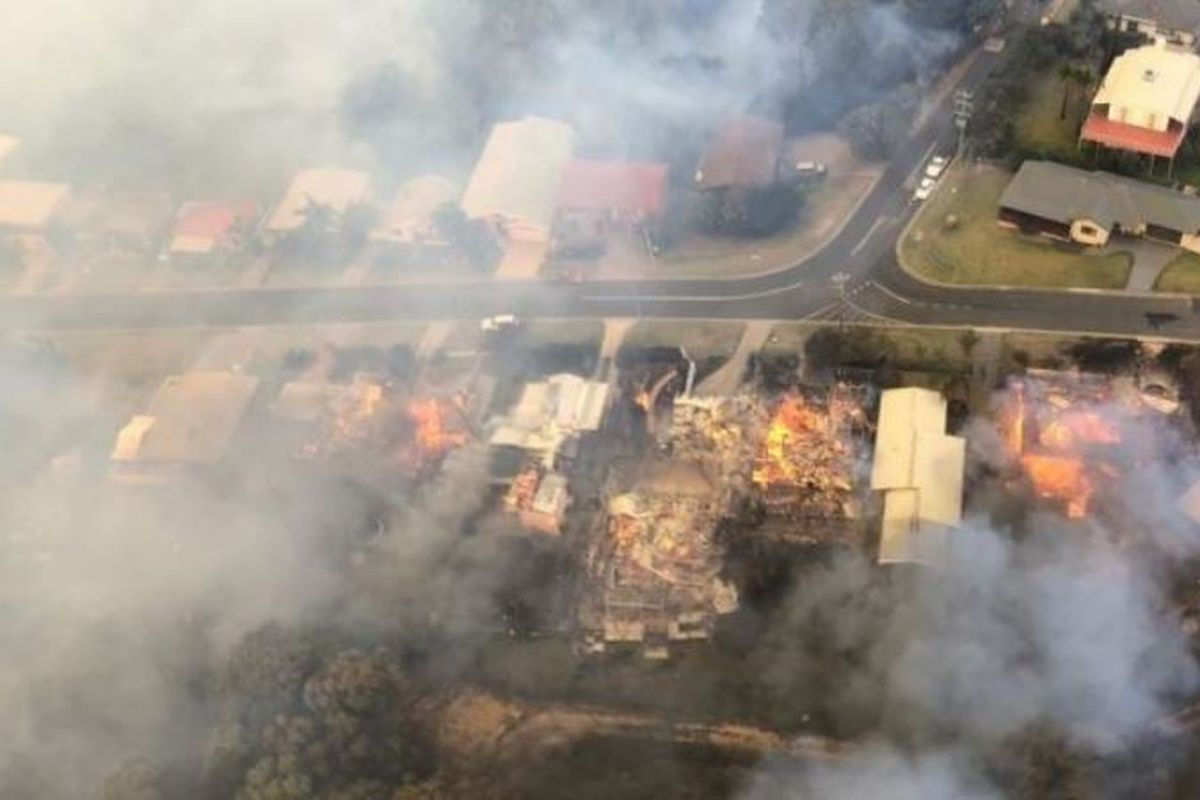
(1067, 432)
(805, 470)
(369, 418)
(655, 573)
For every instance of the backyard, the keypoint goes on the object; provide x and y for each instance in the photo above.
(956, 239)
(1041, 127)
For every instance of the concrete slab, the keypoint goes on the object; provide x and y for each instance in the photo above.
(728, 377)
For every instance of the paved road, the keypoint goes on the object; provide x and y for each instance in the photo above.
(876, 288)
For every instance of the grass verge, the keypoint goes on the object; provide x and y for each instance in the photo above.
(976, 250)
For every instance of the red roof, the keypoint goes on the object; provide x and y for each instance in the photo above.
(629, 187)
(210, 220)
(1122, 136)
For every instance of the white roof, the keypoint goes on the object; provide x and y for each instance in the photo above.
(1153, 80)
(920, 470)
(519, 173)
(410, 216)
(29, 205)
(550, 411)
(336, 188)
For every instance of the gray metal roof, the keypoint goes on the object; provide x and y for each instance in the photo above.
(1180, 15)
(1064, 194)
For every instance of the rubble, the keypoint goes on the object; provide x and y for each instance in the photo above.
(805, 467)
(655, 573)
(539, 498)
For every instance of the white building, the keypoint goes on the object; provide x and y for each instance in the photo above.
(551, 413)
(516, 181)
(919, 470)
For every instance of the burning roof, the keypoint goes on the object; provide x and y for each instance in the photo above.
(1065, 433)
(805, 465)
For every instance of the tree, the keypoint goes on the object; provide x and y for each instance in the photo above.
(471, 237)
(751, 211)
(267, 669)
(876, 129)
(359, 700)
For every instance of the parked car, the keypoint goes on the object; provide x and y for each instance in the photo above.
(813, 168)
(937, 165)
(924, 189)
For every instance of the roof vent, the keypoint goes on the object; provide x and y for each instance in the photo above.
(1148, 75)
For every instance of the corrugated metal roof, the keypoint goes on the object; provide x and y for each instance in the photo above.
(1151, 81)
(744, 152)
(627, 187)
(1064, 194)
(520, 171)
(410, 216)
(30, 205)
(192, 419)
(920, 471)
(337, 189)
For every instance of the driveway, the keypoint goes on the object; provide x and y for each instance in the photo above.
(1149, 258)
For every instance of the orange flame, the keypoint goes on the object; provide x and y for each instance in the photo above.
(1060, 478)
(432, 437)
(792, 423)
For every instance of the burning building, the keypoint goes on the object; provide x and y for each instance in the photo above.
(656, 572)
(1067, 433)
(345, 421)
(329, 417)
(539, 499)
(918, 469)
(805, 470)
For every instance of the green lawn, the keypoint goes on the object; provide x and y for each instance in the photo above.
(1181, 275)
(1040, 126)
(977, 251)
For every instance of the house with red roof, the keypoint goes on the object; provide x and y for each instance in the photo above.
(598, 198)
(1146, 103)
(206, 228)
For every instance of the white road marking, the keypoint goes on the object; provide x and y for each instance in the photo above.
(882, 221)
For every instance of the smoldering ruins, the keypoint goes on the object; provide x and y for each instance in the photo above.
(525, 558)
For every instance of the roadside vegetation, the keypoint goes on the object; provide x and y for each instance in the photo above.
(956, 239)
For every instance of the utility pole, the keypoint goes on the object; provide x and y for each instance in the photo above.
(964, 108)
(839, 280)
